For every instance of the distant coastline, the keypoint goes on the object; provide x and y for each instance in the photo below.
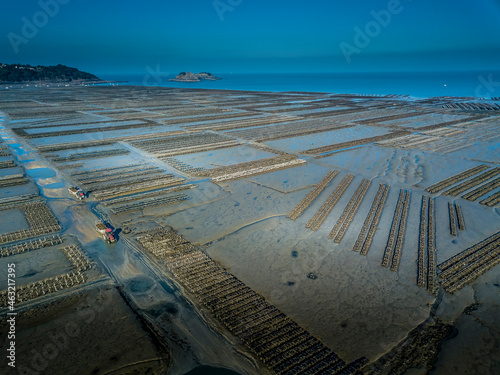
(21, 73)
(48, 83)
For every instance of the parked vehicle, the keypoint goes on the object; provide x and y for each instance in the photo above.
(77, 192)
(106, 232)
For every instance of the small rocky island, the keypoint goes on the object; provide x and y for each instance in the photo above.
(194, 77)
(21, 73)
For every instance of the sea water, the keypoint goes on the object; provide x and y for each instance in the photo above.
(415, 84)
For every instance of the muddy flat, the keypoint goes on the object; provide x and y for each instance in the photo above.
(251, 232)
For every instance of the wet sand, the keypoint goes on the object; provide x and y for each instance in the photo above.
(348, 301)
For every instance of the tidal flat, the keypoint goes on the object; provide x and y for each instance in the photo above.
(256, 232)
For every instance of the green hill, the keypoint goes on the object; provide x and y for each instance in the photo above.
(28, 73)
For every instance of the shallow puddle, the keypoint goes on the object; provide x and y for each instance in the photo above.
(41, 172)
(55, 185)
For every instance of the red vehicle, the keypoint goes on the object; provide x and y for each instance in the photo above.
(106, 232)
(79, 193)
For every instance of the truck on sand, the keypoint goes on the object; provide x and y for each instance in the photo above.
(106, 232)
(77, 192)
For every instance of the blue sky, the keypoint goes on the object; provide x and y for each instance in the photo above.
(253, 35)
